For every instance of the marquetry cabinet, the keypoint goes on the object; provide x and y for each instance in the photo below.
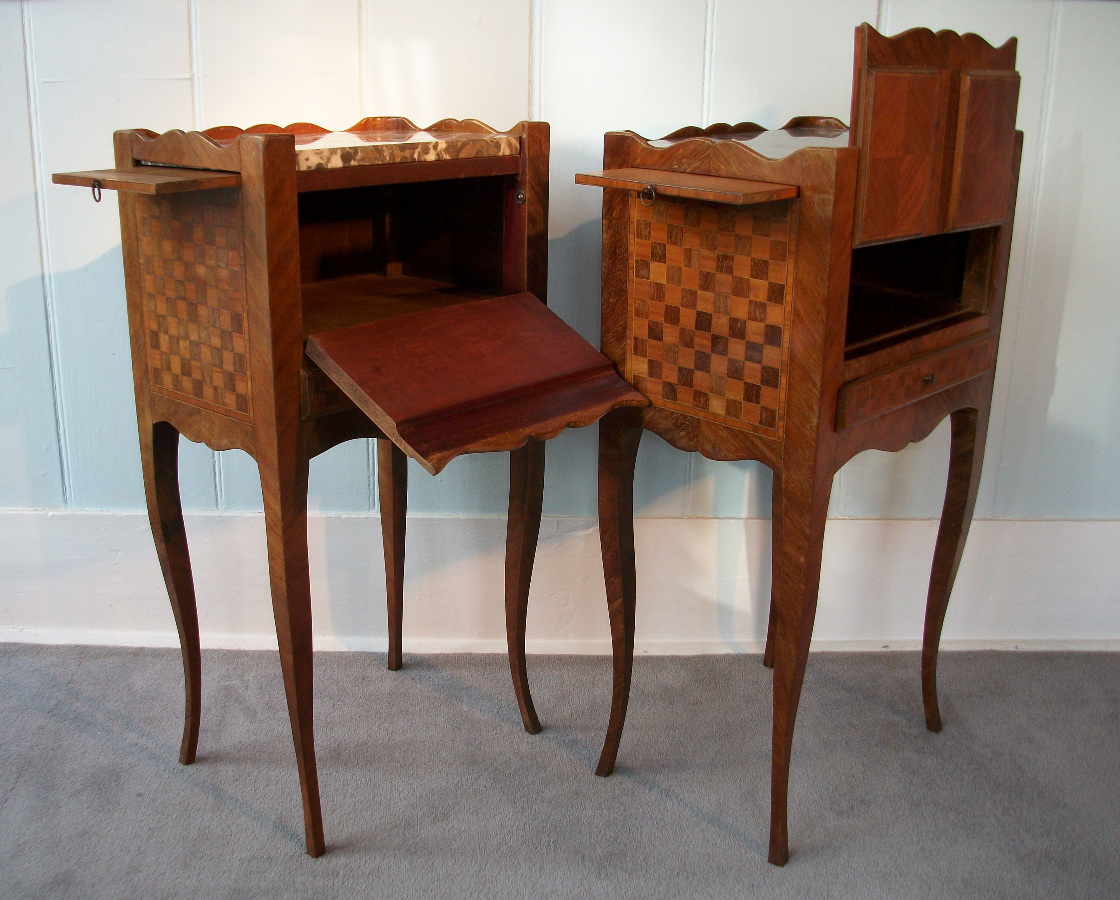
(292, 288)
(800, 295)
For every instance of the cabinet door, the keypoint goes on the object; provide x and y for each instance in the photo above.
(901, 161)
(984, 148)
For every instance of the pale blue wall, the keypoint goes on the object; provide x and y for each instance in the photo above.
(586, 67)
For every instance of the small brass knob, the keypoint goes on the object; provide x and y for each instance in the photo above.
(929, 379)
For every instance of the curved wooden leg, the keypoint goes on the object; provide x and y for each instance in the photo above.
(526, 494)
(392, 492)
(619, 435)
(159, 453)
(966, 457)
(284, 485)
(804, 508)
(771, 632)
(775, 542)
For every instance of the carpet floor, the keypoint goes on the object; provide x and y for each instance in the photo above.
(431, 788)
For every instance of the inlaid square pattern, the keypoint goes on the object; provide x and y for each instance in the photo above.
(710, 308)
(193, 280)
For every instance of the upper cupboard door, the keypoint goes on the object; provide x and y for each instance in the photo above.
(933, 116)
(902, 148)
(985, 146)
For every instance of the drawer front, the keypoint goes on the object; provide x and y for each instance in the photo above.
(881, 392)
(318, 394)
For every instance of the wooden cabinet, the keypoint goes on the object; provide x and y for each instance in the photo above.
(289, 289)
(798, 296)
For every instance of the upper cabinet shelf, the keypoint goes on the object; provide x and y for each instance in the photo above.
(150, 179)
(713, 188)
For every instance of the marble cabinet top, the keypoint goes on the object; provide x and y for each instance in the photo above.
(339, 149)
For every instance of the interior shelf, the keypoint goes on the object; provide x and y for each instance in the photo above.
(879, 316)
(914, 296)
(357, 299)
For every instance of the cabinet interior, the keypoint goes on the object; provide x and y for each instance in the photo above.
(375, 252)
(913, 288)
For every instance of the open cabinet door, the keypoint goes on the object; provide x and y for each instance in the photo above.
(486, 375)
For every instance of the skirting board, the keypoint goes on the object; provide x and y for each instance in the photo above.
(703, 584)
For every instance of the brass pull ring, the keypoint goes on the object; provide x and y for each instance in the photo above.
(647, 195)
(95, 187)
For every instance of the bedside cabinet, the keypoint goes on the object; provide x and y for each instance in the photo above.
(292, 288)
(798, 296)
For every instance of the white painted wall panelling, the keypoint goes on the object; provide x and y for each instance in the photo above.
(609, 66)
(1061, 456)
(97, 67)
(30, 473)
(434, 59)
(287, 61)
(775, 60)
(703, 584)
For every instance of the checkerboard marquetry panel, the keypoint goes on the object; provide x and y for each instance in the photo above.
(710, 302)
(193, 275)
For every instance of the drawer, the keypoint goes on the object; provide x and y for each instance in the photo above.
(879, 393)
(318, 395)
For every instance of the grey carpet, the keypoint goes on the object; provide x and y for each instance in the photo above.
(432, 789)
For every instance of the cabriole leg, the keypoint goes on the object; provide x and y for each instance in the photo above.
(526, 495)
(619, 435)
(392, 492)
(966, 457)
(800, 521)
(775, 541)
(284, 485)
(159, 453)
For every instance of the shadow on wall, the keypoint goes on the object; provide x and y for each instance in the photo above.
(724, 489)
(1034, 477)
(95, 380)
(104, 446)
(728, 490)
(98, 388)
(30, 475)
